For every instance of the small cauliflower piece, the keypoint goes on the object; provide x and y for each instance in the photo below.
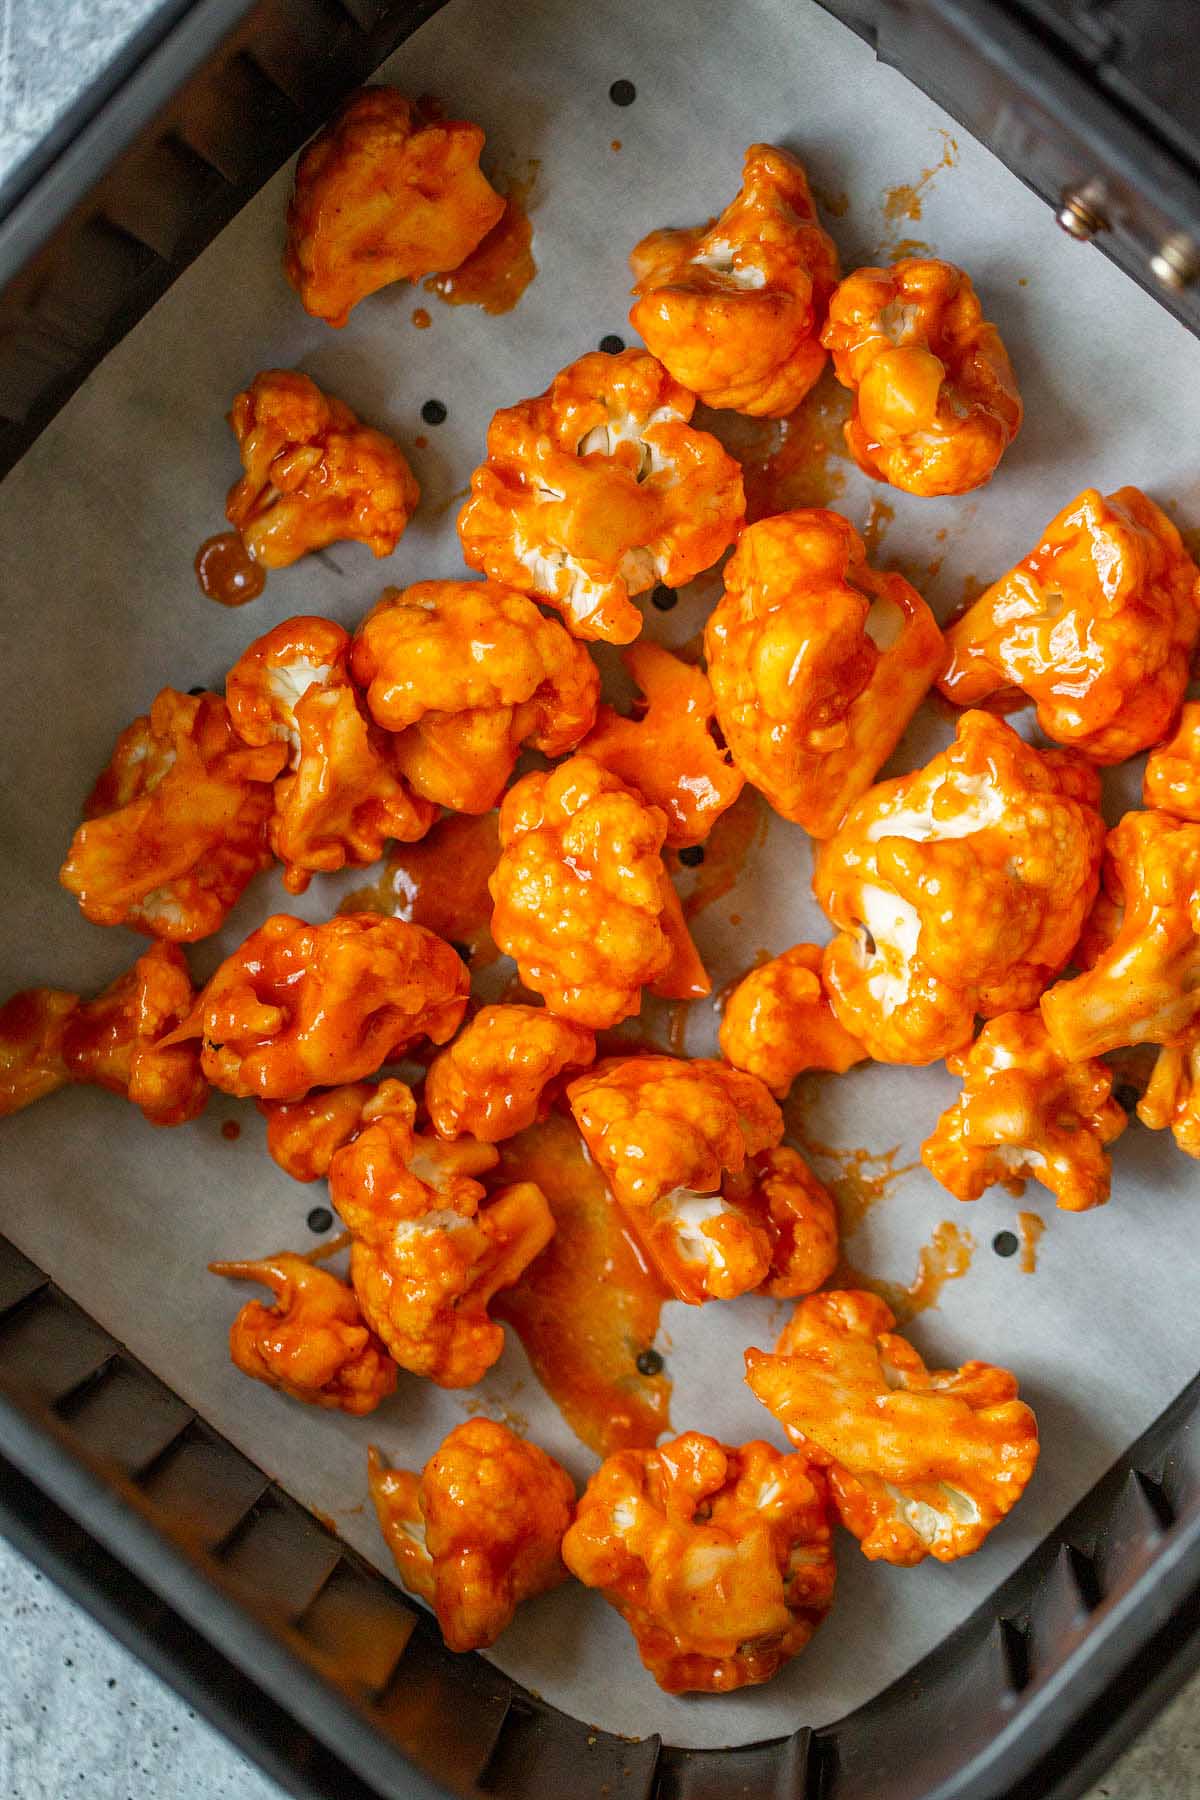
(1172, 779)
(300, 1006)
(1144, 985)
(817, 663)
(312, 1343)
(921, 1463)
(778, 1022)
(936, 400)
(719, 1560)
(465, 673)
(1097, 625)
(275, 672)
(1025, 1113)
(583, 901)
(668, 750)
(429, 1249)
(176, 826)
(958, 890)
(779, 1193)
(479, 1530)
(381, 195)
(734, 309)
(314, 473)
(597, 489)
(500, 1074)
(303, 1135)
(665, 1134)
(32, 1023)
(1172, 1096)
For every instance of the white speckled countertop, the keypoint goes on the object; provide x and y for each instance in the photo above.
(77, 1713)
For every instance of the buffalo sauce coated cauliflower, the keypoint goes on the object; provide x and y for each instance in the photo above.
(428, 1249)
(383, 195)
(303, 1135)
(817, 663)
(719, 1560)
(32, 1023)
(599, 488)
(1096, 625)
(1172, 780)
(479, 1530)
(778, 1022)
(1172, 1096)
(734, 309)
(315, 474)
(921, 1463)
(667, 750)
(1144, 985)
(176, 826)
(312, 1344)
(956, 890)
(778, 1192)
(498, 1075)
(936, 401)
(302, 1006)
(582, 897)
(1026, 1114)
(465, 672)
(665, 1133)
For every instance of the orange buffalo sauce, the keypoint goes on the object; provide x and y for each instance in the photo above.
(226, 571)
(442, 882)
(946, 1257)
(1030, 1226)
(728, 845)
(499, 269)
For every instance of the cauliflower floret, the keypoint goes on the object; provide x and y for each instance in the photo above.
(429, 1250)
(315, 474)
(501, 1072)
(1025, 1113)
(817, 663)
(779, 1193)
(667, 751)
(1144, 986)
(778, 1022)
(312, 1344)
(465, 672)
(1096, 625)
(479, 1530)
(719, 1560)
(936, 401)
(1172, 781)
(32, 1023)
(303, 1135)
(583, 900)
(176, 826)
(300, 1006)
(956, 890)
(597, 489)
(665, 1133)
(381, 195)
(920, 1463)
(1172, 1096)
(734, 309)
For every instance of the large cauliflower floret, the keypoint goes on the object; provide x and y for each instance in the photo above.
(176, 826)
(599, 488)
(429, 1250)
(383, 195)
(667, 751)
(583, 900)
(479, 1530)
(936, 401)
(956, 890)
(466, 672)
(315, 474)
(734, 309)
(921, 1463)
(300, 1006)
(1144, 986)
(304, 1135)
(778, 1022)
(312, 1343)
(1172, 1096)
(719, 1560)
(1096, 625)
(500, 1073)
(817, 663)
(1172, 780)
(1026, 1114)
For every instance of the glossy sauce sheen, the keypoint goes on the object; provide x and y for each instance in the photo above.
(226, 572)
(441, 882)
(498, 271)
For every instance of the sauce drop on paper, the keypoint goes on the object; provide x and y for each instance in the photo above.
(879, 517)
(499, 269)
(231, 1131)
(793, 462)
(421, 318)
(729, 843)
(226, 571)
(906, 200)
(858, 1179)
(1030, 1226)
(441, 882)
(946, 1257)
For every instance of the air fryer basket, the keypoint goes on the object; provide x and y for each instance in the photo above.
(309, 1659)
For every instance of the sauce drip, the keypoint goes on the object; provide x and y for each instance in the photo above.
(946, 1257)
(906, 201)
(879, 517)
(857, 1179)
(1030, 1226)
(231, 1131)
(787, 463)
(729, 843)
(226, 571)
(499, 269)
(421, 318)
(441, 882)
(590, 1304)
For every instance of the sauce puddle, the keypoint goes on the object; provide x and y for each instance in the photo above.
(441, 882)
(730, 841)
(501, 267)
(787, 463)
(226, 572)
